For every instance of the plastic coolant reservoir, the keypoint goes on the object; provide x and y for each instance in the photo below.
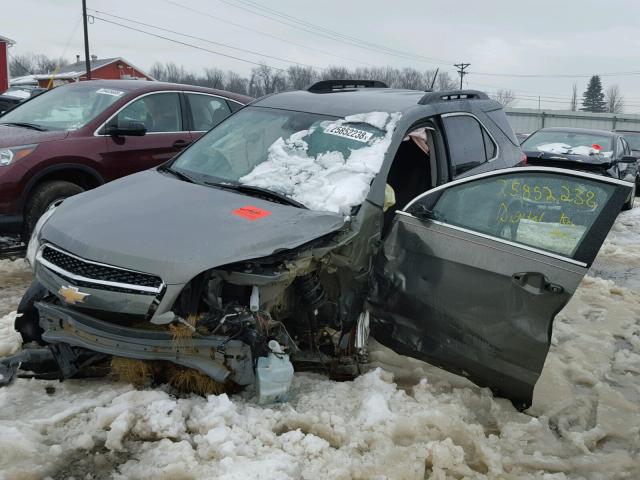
(273, 375)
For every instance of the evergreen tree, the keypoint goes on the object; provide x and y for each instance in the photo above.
(593, 98)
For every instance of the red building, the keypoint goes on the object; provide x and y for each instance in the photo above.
(5, 43)
(103, 69)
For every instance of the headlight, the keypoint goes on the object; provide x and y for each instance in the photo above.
(34, 241)
(13, 154)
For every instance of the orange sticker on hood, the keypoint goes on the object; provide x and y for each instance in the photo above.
(251, 213)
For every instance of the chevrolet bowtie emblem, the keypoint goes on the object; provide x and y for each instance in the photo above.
(72, 295)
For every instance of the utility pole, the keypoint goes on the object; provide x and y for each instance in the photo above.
(87, 59)
(461, 70)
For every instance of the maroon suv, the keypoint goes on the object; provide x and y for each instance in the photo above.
(81, 135)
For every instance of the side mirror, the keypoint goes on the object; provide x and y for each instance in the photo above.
(627, 159)
(422, 212)
(126, 129)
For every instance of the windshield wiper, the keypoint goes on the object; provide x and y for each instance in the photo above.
(264, 192)
(177, 173)
(32, 126)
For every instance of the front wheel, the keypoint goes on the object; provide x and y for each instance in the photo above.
(43, 197)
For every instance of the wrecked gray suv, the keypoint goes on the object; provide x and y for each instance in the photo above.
(309, 219)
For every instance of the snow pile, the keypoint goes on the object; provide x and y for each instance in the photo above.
(10, 340)
(329, 181)
(403, 420)
(22, 94)
(15, 277)
(10, 267)
(564, 148)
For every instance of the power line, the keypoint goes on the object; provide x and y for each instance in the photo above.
(557, 75)
(244, 27)
(204, 39)
(341, 38)
(186, 44)
(351, 39)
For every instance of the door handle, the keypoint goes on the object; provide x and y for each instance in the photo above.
(180, 144)
(535, 282)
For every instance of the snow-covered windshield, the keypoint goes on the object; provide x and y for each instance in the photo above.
(325, 163)
(64, 108)
(569, 143)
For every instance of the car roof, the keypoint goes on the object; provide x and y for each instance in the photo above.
(592, 131)
(626, 131)
(344, 102)
(142, 86)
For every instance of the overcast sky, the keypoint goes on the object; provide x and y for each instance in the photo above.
(559, 37)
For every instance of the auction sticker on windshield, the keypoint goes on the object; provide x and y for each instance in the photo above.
(349, 132)
(110, 91)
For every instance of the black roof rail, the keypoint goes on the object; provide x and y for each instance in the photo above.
(438, 97)
(325, 86)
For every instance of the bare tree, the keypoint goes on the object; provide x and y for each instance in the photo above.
(45, 64)
(214, 78)
(265, 80)
(299, 77)
(20, 65)
(31, 63)
(335, 73)
(235, 83)
(410, 78)
(157, 71)
(505, 97)
(574, 97)
(445, 82)
(174, 73)
(614, 101)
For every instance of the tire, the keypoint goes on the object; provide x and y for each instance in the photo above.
(629, 203)
(28, 321)
(42, 198)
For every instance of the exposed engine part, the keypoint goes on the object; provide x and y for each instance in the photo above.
(274, 374)
(311, 291)
(190, 298)
(362, 331)
(254, 301)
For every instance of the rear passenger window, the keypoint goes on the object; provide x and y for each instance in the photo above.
(207, 111)
(159, 112)
(469, 143)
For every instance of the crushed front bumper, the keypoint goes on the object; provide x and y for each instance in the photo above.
(218, 357)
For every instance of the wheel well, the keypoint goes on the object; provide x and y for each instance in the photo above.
(82, 178)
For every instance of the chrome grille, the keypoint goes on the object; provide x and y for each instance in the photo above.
(101, 273)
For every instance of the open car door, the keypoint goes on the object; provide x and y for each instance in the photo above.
(472, 273)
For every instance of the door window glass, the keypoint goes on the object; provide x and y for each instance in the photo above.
(543, 210)
(623, 148)
(206, 111)
(159, 112)
(469, 144)
(490, 148)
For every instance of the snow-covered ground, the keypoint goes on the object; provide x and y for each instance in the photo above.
(403, 420)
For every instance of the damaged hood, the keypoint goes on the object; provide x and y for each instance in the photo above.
(155, 223)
